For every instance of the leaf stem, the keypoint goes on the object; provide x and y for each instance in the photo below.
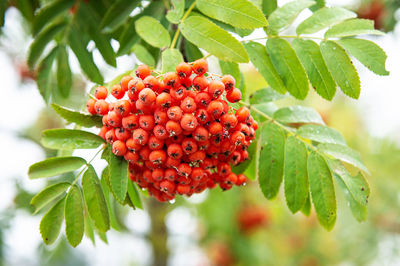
(272, 120)
(87, 165)
(175, 39)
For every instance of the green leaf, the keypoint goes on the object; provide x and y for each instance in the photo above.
(84, 57)
(55, 166)
(44, 74)
(283, 16)
(85, 120)
(261, 60)
(47, 195)
(41, 40)
(74, 220)
(90, 23)
(128, 36)
(341, 68)
(95, 200)
(269, 6)
(64, 75)
(65, 139)
(356, 185)
(134, 195)
(306, 209)
(343, 153)
(368, 53)
(117, 13)
(360, 212)
(230, 68)
(208, 36)
(289, 67)
(26, 8)
(318, 5)
(89, 230)
(170, 58)
(323, 18)
(50, 225)
(295, 174)
(143, 55)
(317, 71)
(192, 53)
(271, 160)
(105, 180)
(321, 134)
(352, 27)
(151, 30)
(298, 114)
(265, 95)
(238, 13)
(118, 168)
(48, 12)
(175, 15)
(322, 190)
(3, 9)
(266, 108)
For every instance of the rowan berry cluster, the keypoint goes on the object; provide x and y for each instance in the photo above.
(176, 130)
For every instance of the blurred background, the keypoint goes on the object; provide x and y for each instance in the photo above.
(237, 227)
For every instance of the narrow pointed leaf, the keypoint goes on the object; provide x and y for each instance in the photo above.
(289, 67)
(262, 61)
(48, 12)
(64, 74)
(321, 134)
(44, 74)
(55, 166)
(134, 195)
(143, 55)
(84, 57)
(85, 120)
(269, 6)
(74, 220)
(306, 209)
(265, 95)
(356, 185)
(323, 18)
(238, 13)
(368, 53)
(359, 211)
(47, 195)
(117, 13)
(90, 23)
(271, 160)
(283, 16)
(298, 114)
(322, 190)
(343, 153)
(295, 174)
(170, 59)
(95, 201)
(317, 71)
(341, 68)
(41, 40)
(89, 230)
(118, 168)
(208, 36)
(65, 139)
(50, 225)
(151, 30)
(105, 180)
(174, 15)
(352, 27)
(3, 9)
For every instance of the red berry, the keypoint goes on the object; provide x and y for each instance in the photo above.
(101, 93)
(90, 106)
(200, 66)
(143, 71)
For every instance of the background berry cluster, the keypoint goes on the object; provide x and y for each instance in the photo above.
(176, 130)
